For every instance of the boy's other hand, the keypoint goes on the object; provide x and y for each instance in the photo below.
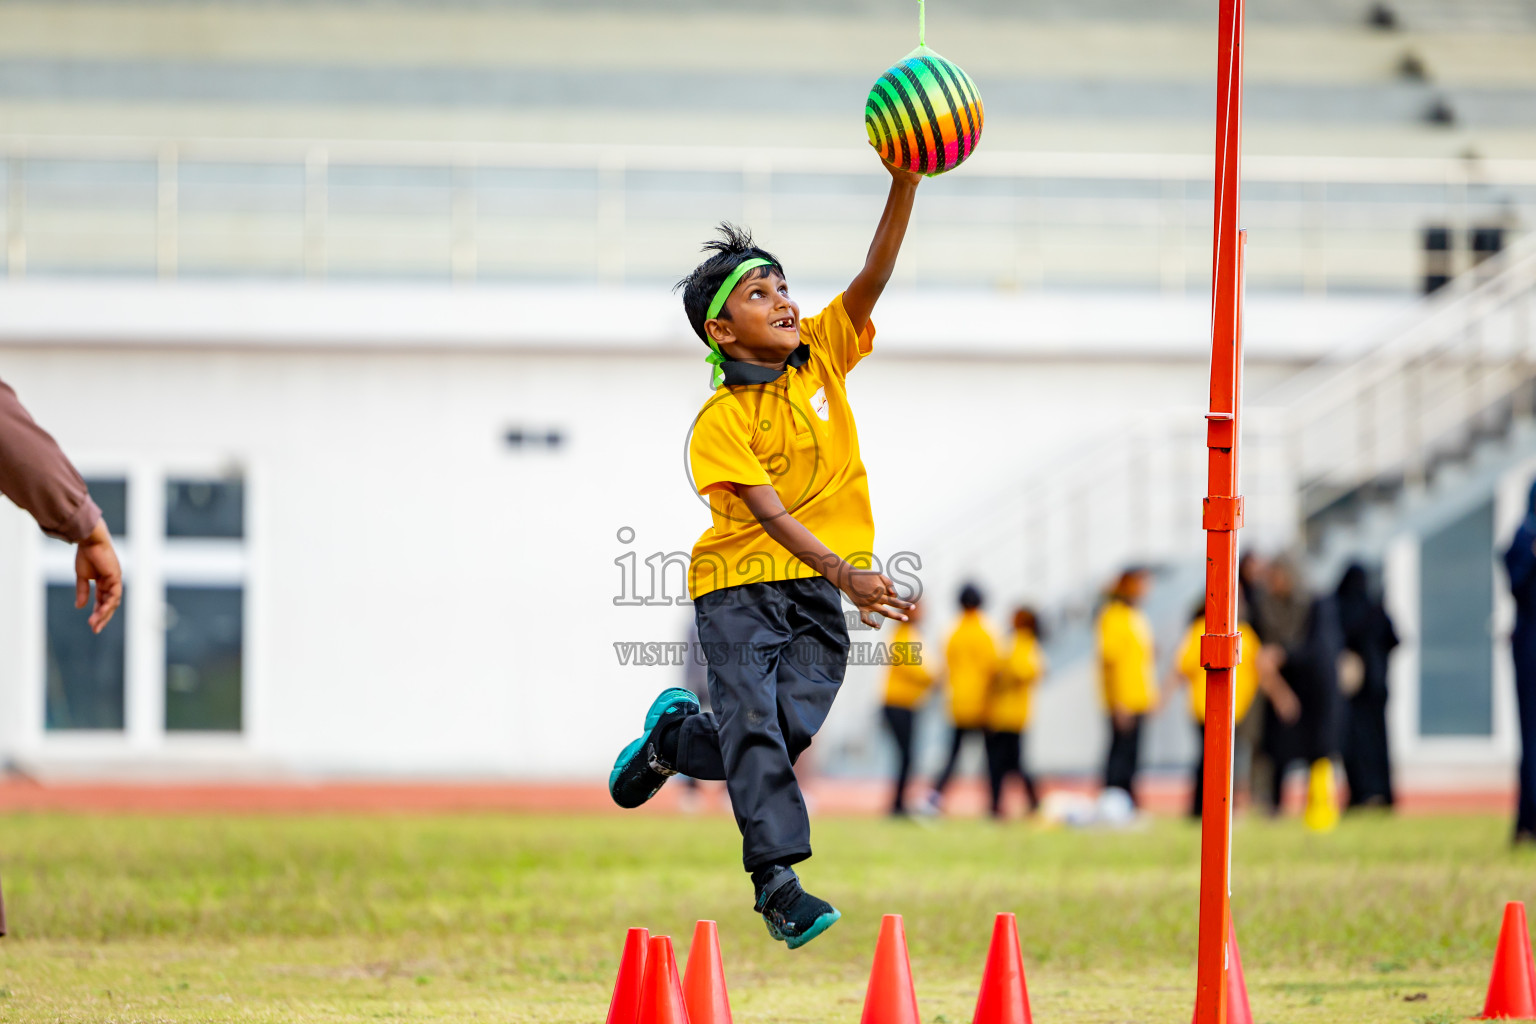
(873, 594)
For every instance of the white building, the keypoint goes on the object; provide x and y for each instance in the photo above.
(418, 504)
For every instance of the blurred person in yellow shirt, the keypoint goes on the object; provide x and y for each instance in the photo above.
(1010, 708)
(906, 687)
(971, 661)
(1256, 672)
(1127, 676)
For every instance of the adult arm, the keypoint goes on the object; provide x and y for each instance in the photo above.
(860, 296)
(872, 593)
(1273, 685)
(36, 475)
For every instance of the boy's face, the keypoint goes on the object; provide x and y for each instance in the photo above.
(764, 327)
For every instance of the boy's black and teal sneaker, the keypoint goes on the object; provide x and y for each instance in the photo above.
(639, 773)
(794, 916)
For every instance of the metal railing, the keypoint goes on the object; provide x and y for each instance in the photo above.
(637, 213)
(1424, 394)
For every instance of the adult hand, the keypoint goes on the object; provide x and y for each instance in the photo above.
(1286, 704)
(96, 561)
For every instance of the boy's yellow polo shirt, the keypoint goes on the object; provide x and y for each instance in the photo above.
(971, 656)
(795, 432)
(1014, 686)
(907, 682)
(1245, 681)
(1127, 674)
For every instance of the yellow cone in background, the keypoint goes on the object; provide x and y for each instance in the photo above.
(1322, 812)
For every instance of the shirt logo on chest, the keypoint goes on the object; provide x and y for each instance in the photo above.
(819, 403)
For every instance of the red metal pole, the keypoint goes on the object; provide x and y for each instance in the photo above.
(1220, 647)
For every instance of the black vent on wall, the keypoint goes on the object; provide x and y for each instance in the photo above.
(523, 438)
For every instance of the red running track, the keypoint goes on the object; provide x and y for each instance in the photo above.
(1160, 795)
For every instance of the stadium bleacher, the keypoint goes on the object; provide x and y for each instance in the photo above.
(497, 140)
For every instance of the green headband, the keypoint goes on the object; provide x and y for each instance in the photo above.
(730, 283)
(716, 357)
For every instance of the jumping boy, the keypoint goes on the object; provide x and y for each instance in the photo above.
(776, 452)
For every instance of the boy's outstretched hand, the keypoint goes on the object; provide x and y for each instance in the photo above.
(903, 176)
(874, 595)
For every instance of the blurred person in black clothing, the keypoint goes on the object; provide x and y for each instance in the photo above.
(1305, 632)
(1369, 638)
(1520, 562)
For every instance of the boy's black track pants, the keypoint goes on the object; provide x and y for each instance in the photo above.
(777, 653)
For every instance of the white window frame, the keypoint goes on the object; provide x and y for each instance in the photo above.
(151, 563)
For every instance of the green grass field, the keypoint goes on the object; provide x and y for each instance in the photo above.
(517, 918)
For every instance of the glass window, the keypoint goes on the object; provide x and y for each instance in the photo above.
(204, 508)
(1456, 610)
(85, 669)
(111, 496)
(204, 640)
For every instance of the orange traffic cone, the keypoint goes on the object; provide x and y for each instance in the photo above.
(1238, 1011)
(1512, 989)
(626, 988)
(1004, 999)
(704, 978)
(661, 994)
(890, 998)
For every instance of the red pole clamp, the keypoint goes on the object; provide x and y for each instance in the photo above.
(1221, 650)
(1220, 431)
(1223, 513)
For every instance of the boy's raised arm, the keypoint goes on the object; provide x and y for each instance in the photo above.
(860, 297)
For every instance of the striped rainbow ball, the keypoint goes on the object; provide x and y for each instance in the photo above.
(924, 114)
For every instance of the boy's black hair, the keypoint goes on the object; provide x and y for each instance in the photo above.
(970, 597)
(733, 248)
